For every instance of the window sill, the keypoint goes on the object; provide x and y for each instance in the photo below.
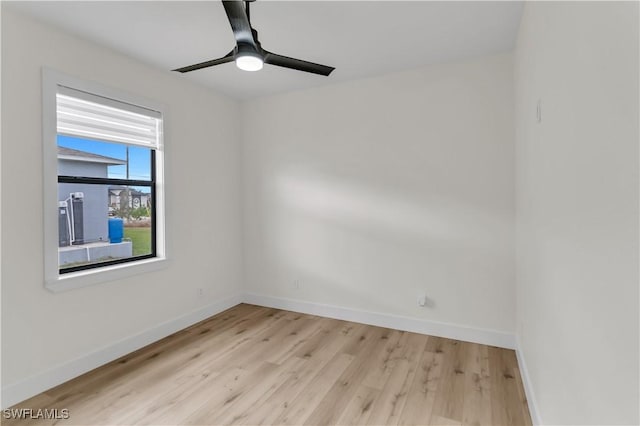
(89, 277)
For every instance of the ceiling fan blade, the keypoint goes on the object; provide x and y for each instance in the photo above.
(239, 21)
(296, 64)
(227, 58)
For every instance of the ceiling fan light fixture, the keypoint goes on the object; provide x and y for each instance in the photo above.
(249, 62)
(248, 53)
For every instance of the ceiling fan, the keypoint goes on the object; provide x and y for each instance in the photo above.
(248, 53)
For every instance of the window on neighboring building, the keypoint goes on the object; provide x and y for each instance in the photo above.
(108, 154)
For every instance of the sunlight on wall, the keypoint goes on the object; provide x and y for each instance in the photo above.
(362, 208)
(383, 211)
(340, 234)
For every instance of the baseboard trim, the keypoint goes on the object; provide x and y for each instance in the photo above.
(528, 388)
(433, 328)
(17, 392)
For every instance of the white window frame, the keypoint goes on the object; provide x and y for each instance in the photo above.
(54, 281)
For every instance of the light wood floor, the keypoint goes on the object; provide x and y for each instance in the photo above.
(252, 365)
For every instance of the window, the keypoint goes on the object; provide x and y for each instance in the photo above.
(103, 154)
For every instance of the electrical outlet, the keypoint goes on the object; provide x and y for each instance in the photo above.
(200, 292)
(422, 300)
(296, 284)
(425, 302)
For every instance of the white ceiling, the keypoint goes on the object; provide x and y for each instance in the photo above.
(359, 38)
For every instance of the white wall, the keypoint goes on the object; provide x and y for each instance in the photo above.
(42, 330)
(374, 191)
(577, 209)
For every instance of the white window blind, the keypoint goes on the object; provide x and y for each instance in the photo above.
(90, 116)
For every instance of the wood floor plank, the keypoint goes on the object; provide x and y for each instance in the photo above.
(507, 405)
(477, 400)
(418, 408)
(358, 410)
(260, 366)
(125, 368)
(390, 404)
(385, 359)
(443, 421)
(300, 408)
(522, 397)
(450, 395)
(257, 408)
(318, 351)
(262, 383)
(331, 407)
(120, 393)
(360, 340)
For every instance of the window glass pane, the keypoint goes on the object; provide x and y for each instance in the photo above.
(99, 223)
(90, 158)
